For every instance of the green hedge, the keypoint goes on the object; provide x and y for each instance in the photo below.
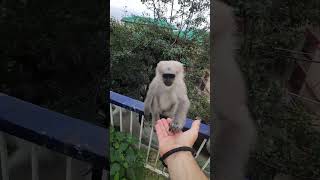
(135, 51)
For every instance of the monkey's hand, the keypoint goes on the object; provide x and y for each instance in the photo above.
(175, 126)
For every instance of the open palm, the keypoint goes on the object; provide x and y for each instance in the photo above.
(167, 140)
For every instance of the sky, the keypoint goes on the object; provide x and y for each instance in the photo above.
(118, 7)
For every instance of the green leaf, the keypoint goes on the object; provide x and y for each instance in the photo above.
(123, 146)
(130, 139)
(125, 165)
(130, 156)
(115, 167)
(122, 172)
(122, 157)
(116, 145)
(116, 177)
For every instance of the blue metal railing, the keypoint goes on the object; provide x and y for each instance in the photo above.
(137, 106)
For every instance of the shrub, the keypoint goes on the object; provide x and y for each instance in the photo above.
(126, 159)
(135, 51)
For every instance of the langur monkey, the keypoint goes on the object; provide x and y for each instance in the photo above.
(234, 131)
(167, 95)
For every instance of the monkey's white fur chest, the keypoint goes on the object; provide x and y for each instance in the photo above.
(167, 100)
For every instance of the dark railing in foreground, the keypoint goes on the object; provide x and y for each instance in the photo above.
(73, 137)
(137, 106)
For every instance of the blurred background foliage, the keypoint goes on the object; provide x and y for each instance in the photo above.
(288, 142)
(137, 44)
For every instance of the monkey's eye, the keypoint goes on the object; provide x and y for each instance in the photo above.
(168, 76)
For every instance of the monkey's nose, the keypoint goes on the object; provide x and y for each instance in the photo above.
(167, 83)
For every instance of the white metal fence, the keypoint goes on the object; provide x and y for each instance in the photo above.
(128, 121)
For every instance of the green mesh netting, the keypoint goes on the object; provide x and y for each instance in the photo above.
(148, 20)
(161, 23)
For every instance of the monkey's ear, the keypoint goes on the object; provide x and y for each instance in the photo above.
(181, 69)
(159, 63)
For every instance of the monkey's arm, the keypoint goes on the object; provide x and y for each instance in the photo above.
(180, 114)
(149, 98)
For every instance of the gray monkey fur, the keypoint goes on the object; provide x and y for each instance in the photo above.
(173, 101)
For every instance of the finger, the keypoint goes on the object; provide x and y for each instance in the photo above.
(166, 126)
(159, 130)
(169, 120)
(195, 126)
(163, 127)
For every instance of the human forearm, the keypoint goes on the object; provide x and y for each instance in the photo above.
(182, 165)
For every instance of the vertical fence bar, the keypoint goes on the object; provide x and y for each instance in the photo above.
(34, 163)
(120, 119)
(201, 147)
(68, 168)
(4, 157)
(158, 154)
(131, 122)
(205, 164)
(164, 170)
(150, 141)
(141, 132)
(111, 115)
(141, 126)
(89, 167)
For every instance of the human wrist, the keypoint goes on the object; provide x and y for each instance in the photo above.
(177, 155)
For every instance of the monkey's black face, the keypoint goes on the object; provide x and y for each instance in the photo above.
(168, 79)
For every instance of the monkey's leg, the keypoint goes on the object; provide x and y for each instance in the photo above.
(154, 106)
(155, 118)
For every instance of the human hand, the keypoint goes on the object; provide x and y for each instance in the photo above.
(167, 140)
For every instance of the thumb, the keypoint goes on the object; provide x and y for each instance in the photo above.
(195, 126)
